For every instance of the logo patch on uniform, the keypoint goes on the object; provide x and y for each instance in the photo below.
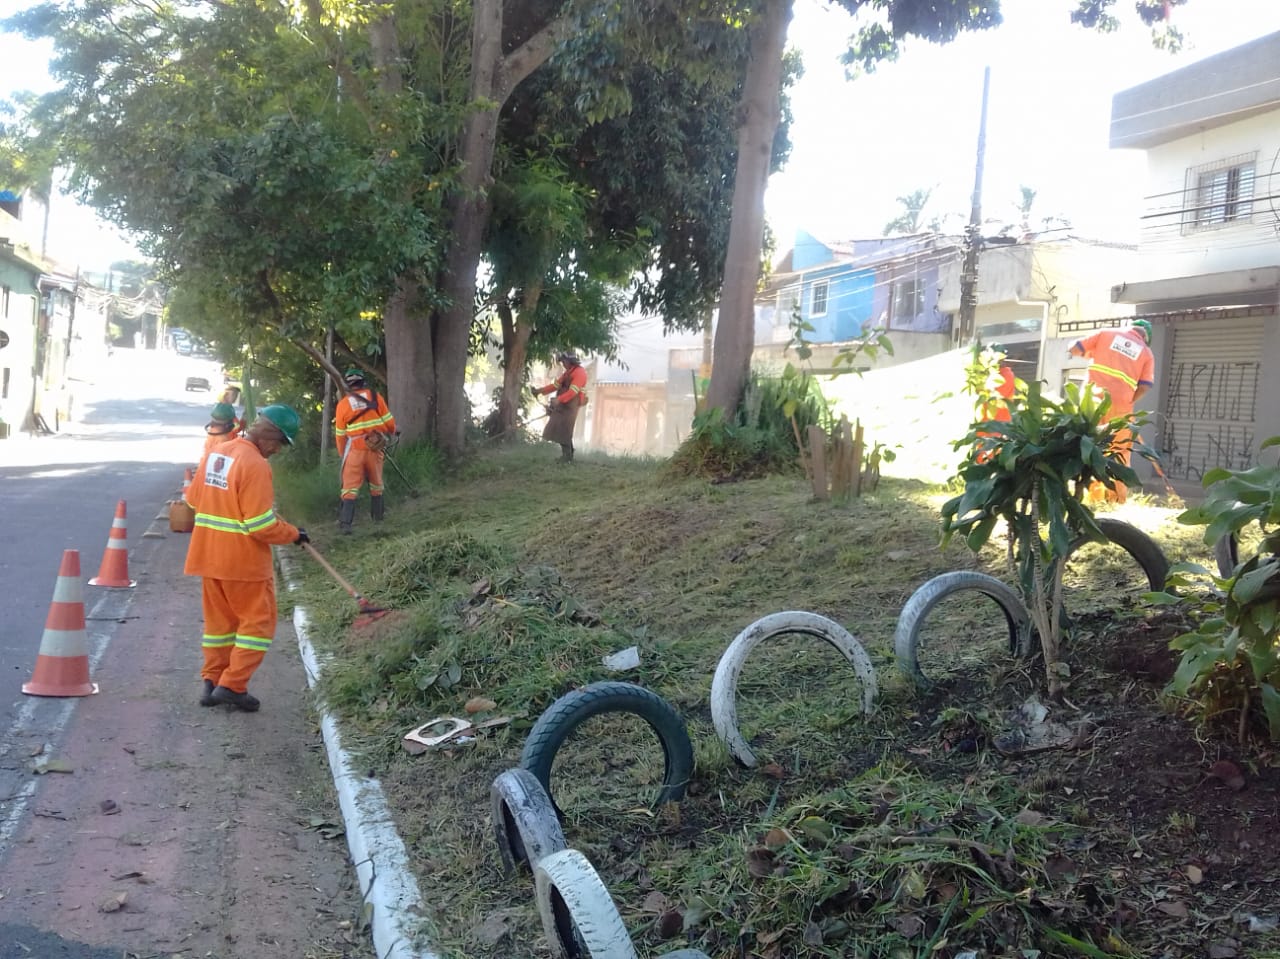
(216, 469)
(1126, 347)
(358, 402)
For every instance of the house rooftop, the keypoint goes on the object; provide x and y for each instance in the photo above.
(1230, 86)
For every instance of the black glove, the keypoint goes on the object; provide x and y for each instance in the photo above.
(302, 537)
(535, 391)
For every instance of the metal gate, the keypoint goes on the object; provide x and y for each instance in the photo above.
(1212, 396)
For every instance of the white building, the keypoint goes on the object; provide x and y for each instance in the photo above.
(1208, 268)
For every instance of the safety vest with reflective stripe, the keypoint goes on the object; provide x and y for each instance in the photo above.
(236, 524)
(569, 387)
(359, 413)
(1122, 362)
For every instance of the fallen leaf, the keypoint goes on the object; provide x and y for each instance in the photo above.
(109, 807)
(1194, 874)
(773, 771)
(776, 838)
(1176, 909)
(53, 766)
(1223, 950)
(114, 903)
(815, 827)
(907, 926)
(495, 928)
(1029, 817)
(759, 863)
(655, 903)
(1228, 773)
(479, 704)
(813, 934)
(669, 924)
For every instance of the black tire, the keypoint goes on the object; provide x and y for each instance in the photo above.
(1226, 552)
(574, 708)
(906, 636)
(524, 821)
(1138, 545)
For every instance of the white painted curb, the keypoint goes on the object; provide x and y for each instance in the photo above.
(391, 895)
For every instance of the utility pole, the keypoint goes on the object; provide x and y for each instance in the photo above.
(973, 232)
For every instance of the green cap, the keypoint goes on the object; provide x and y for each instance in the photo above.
(284, 418)
(1145, 327)
(223, 413)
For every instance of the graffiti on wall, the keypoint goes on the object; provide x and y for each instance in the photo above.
(1209, 418)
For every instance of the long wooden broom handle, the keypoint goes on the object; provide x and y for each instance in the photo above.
(331, 571)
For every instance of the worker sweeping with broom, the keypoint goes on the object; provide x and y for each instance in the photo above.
(235, 527)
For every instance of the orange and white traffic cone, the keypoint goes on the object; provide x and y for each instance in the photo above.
(114, 570)
(187, 476)
(62, 668)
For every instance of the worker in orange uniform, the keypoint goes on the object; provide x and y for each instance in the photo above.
(361, 426)
(570, 390)
(1122, 367)
(235, 527)
(223, 425)
(998, 390)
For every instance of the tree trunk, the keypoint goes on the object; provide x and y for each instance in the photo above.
(411, 381)
(761, 110)
(469, 217)
(516, 331)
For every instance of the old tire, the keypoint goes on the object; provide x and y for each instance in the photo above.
(724, 685)
(1138, 545)
(525, 824)
(906, 635)
(577, 912)
(574, 708)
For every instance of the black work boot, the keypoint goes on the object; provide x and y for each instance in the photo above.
(230, 697)
(206, 697)
(566, 453)
(346, 515)
(377, 508)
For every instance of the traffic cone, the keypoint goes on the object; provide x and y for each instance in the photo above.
(62, 668)
(114, 570)
(187, 477)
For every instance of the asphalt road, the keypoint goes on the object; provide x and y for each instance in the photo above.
(134, 430)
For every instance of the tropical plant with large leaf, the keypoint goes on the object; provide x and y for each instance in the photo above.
(1032, 473)
(1230, 663)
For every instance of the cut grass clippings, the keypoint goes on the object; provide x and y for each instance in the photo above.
(898, 835)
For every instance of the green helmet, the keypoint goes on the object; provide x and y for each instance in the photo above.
(223, 413)
(284, 418)
(353, 376)
(1145, 327)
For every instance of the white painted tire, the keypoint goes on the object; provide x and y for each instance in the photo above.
(724, 685)
(906, 636)
(525, 823)
(577, 912)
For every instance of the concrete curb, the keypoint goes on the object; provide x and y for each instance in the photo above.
(391, 895)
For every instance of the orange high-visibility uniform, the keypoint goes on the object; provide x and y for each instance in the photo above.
(360, 413)
(235, 527)
(570, 388)
(1121, 361)
(217, 439)
(998, 409)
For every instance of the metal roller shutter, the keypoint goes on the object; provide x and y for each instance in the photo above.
(1211, 400)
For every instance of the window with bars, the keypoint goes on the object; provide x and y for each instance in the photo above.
(788, 303)
(1220, 193)
(818, 306)
(908, 300)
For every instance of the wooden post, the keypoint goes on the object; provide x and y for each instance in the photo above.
(804, 460)
(818, 458)
(858, 447)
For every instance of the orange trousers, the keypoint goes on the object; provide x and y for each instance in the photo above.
(359, 465)
(239, 624)
(1122, 448)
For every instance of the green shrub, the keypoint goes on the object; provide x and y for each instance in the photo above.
(1231, 661)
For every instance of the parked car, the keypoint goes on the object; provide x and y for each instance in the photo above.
(197, 383)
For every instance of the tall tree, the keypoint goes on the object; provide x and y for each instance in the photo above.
(909, 220)
(886, 24)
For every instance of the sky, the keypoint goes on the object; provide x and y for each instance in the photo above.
(913, 124)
